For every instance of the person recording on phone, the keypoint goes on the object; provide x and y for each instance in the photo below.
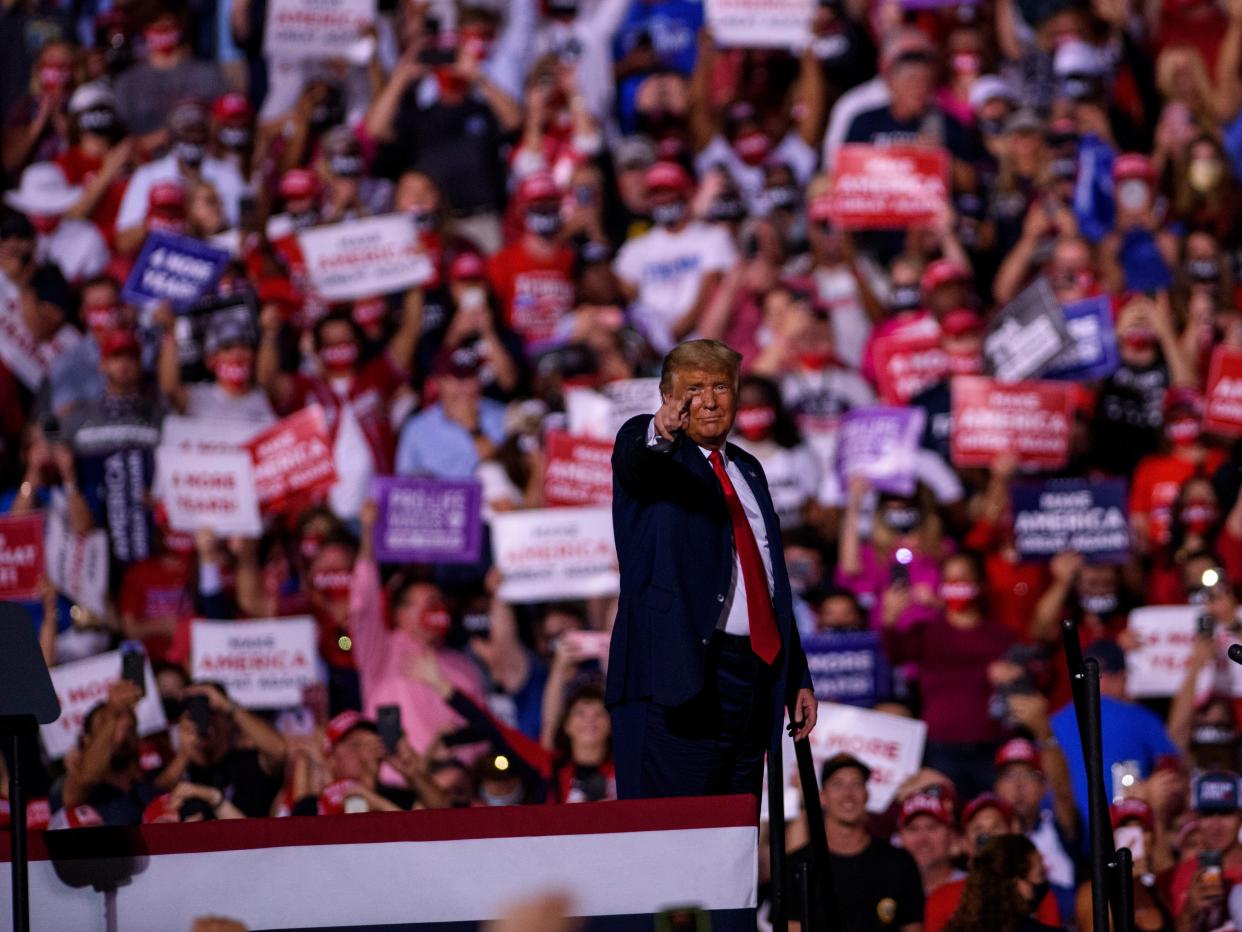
(705, 655)
(1202, 884)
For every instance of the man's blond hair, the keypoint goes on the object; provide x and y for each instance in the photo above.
(708, 355)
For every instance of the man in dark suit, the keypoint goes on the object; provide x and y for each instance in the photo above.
(705, 654)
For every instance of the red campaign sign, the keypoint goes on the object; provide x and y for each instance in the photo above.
(578, 470)
(907, 362)
(21, 557)
(292, 460)
(1029, 419)
(1222, 409)
(888, 187)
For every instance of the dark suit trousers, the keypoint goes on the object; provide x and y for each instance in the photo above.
(712, 745)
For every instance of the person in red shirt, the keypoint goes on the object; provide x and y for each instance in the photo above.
(98, 159)
(533, 277)
(153, 599)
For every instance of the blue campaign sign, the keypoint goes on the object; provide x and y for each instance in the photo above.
(176, 269)
(1093, 353)
(847, 667)
(1089, 516)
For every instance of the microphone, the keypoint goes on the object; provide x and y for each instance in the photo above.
(1235, 653)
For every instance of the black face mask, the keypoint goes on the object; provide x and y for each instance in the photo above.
(328, 113)
(544, 222)
(668, 215)
(657, 123)
(904, 298)
(424, 220)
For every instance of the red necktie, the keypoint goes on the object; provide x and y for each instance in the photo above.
(765, 637)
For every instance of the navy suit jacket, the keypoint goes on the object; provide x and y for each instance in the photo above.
(675, 548)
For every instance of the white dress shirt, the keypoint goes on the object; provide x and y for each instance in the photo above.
(733, 618)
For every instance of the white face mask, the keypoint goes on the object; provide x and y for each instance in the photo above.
(1133, 194)
(472, 299)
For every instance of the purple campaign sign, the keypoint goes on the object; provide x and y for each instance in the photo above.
(176, 269)
(881, 443)
(427, 520)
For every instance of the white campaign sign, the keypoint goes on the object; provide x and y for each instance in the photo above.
(299, 29)
(82, 685)
(555, 553)
(1166, 636)
(892, 746)
(760, 23)
(77, 565)
(264, 664)
(209, 489)
(361, 258)
(206, 434)
(601, 414)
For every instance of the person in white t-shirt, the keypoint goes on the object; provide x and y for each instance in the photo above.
(669, 273)
(74, 246)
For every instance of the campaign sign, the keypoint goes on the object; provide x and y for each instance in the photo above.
(578, 470)
(82, 685)
(880, 443)
(21, 556)
(1028, 334)
(847, 667)
(1088, 516)
(1166, 637)
(293, 460)
(891, 745)
(1222, 409)
(601, 414)
(318, 29)
(77, 565)
(360, 258)
(206, 434)
(783, 24)
(264, 664)
(909, 361)
(173, 268)
(888, 187)
(1029, 419)
(427, 520)
(1092, 353)
(555, 553)
(213, 490)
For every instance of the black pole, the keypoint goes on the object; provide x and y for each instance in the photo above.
(1073, 663)
(1099, 825)
(819, 836)
(803, 877)
(776, 837)
(1123, 904)
(17, 811)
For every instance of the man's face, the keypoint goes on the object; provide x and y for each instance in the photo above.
(845, 797)
(121, 373)
(713, 404)
(357, 756)
(928, 840)
(1219, 831)
(911, 84)
(1022, 786)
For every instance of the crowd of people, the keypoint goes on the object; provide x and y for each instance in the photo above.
(593, 182)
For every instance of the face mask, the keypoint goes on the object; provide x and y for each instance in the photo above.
(1065, 169)
(814, 361)
(340, 357)
(1212, 736)
(327, 113)
(1133, 195)
(966, 63)
(1203, 271)
(958, 596)
(1183, 432)
(1104, 603)
(1138, 340)
(1199, 518)
(782, 197)
(668, 215)
(234, 138)
(103, 318)
(424, 220)
(53, 78)
(450, 83)
(507, 799)
(333, 585)
(752, 148)
(965, 363)
(44, 225)
(233, 374)
(472, 299)
(345, 166)
(435, 621)
(101, 121)
(754, 422)
(904, 298)
(726, 210)
(991, 127)
(163, 39)
(544, 222)
(189, 153)
(1203, 175)
(902, 520)
(801, 574)
(304, 220)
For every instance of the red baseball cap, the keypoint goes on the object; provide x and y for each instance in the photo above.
(538, 187)
(963, 320)
(666, 176)
(231, 106)
(344, 723)
(167, 197)
(1018, 751)
(1133, 165)
(1129, 809)
(943, 272)
(986, 801)
(277, 290)
(298, 183)
(119, 343)
(467, 267)
(925, 804)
